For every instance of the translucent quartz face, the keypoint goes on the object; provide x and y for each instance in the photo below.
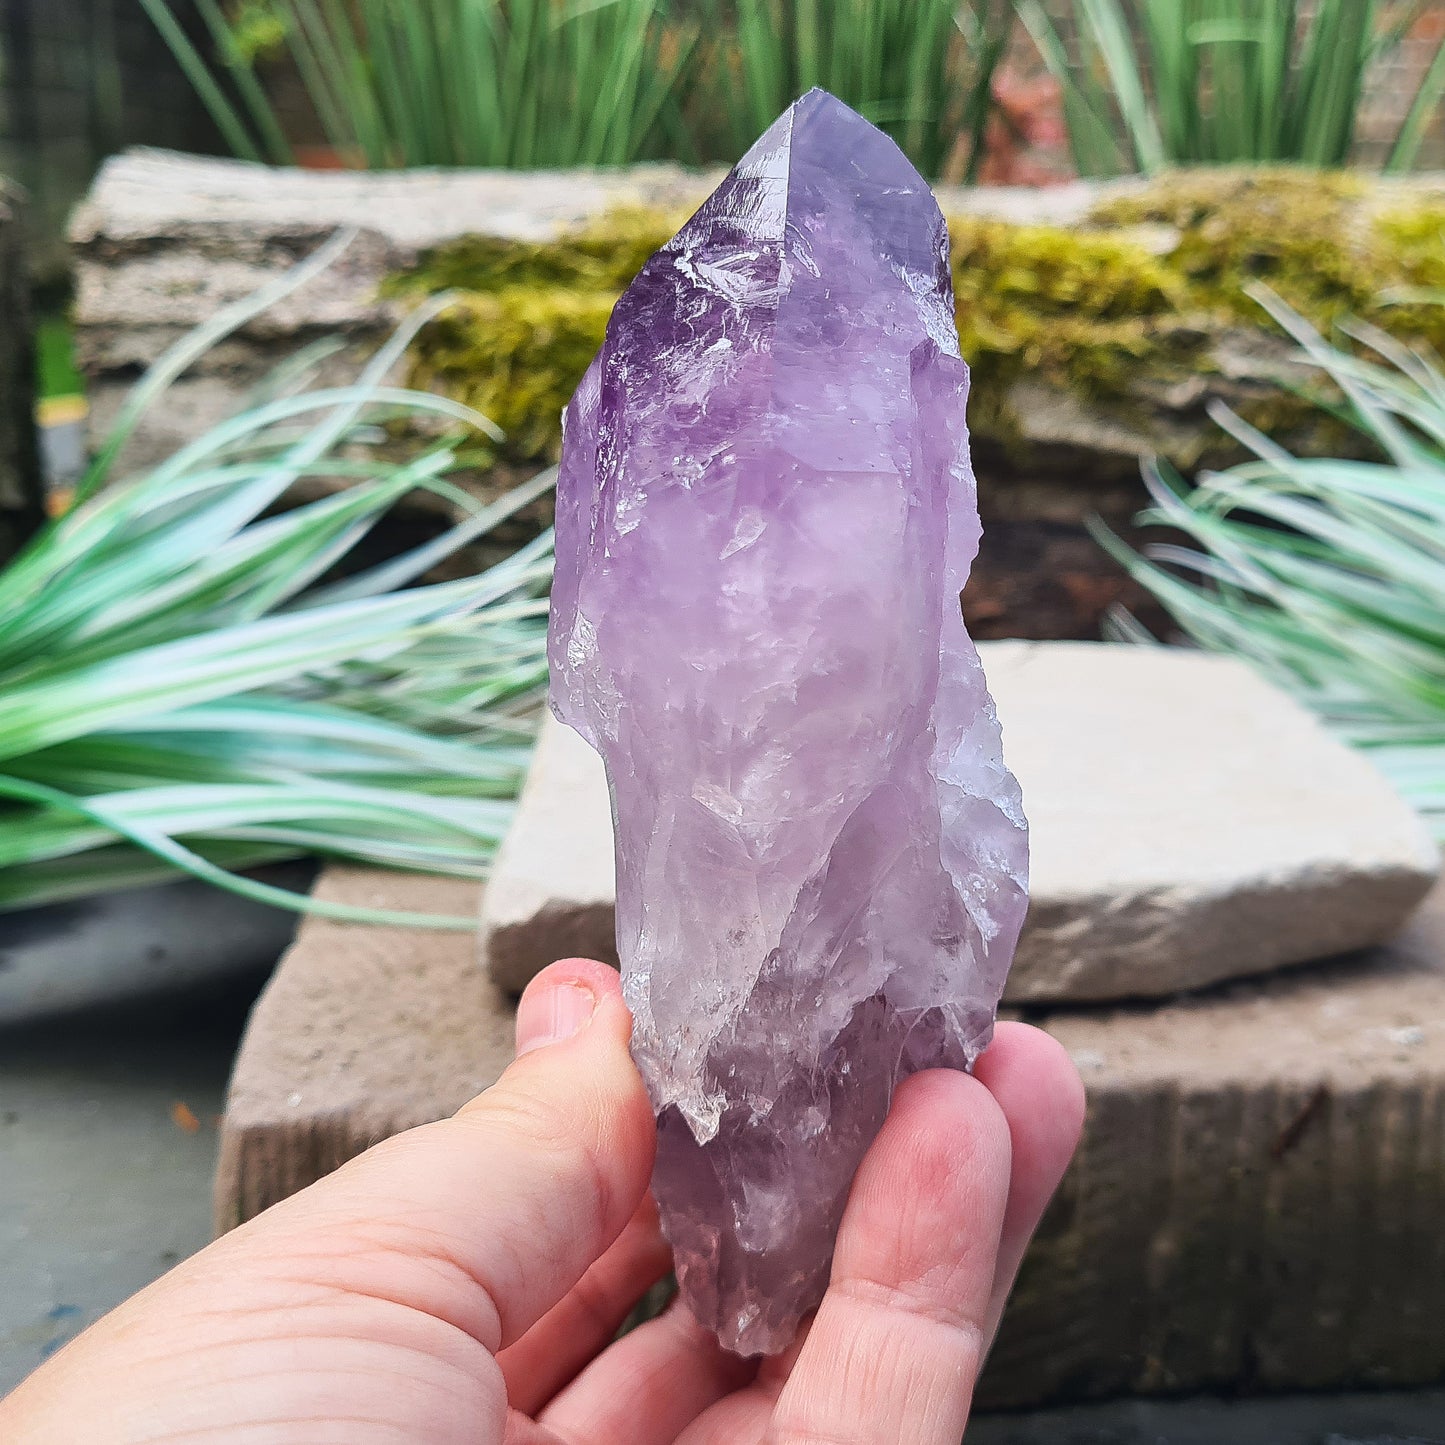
(765, 517)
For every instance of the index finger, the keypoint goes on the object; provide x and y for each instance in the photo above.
(898, 1340)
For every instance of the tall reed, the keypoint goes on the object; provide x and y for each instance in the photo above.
(440, 82)
(583, 82)
(919, 69)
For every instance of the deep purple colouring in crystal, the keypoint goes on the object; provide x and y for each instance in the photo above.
(765, 516)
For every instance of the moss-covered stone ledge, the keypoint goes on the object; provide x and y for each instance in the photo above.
(163, 240)
(1098, 335)
(1098, 319)
(1101, 319)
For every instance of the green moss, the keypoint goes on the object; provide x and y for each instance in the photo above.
(600, 257)
(1414, 238)
(516, 354)
(1084, 307)
(528, 319)
(1317, 238)
(1092, 308)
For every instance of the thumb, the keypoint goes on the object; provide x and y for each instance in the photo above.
(528, 1184)
(488, 1218)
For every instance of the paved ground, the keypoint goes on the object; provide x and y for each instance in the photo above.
(107, 1144)
(107, 1141)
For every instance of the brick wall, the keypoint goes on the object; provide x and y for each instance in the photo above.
(1389, 88)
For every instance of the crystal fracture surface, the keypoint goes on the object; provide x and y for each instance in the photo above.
(765, 516)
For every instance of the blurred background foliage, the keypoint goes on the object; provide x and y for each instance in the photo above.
(1216, 82)
(1000, 91)
(538, 82)
(1140, 84)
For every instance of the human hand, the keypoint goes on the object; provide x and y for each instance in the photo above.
(463, 1282)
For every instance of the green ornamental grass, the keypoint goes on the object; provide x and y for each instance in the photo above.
(1327, 574)
(1153, 83)
(584, 82)
(193, 682)
(438, 82)
(919, 69)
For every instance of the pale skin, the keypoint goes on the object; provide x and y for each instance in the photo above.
(461, 1284)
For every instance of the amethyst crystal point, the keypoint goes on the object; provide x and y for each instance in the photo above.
(764, 519)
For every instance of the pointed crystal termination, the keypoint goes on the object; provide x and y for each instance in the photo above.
(765, 517)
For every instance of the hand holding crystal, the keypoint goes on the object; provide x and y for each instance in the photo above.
(463, 1282)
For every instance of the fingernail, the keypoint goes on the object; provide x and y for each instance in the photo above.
(549, 1015)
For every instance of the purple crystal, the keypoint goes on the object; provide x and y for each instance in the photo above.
(765, 516)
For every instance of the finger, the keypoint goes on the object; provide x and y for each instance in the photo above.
(737, 1419)
(487, 1219)
(584, 1322)
(1042, 1097)
(741, 1418)
(649, 1386)
(896, 1346)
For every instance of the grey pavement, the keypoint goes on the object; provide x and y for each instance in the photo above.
(102, 1184)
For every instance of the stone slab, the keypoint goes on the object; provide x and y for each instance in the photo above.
(1259, 1191)
(1190, 824)
(553, 887)
(1255, 1204)
(163, 240)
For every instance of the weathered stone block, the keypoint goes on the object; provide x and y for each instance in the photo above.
(164, 240)
(553, 887)
(362, 1032)
(1100, 318)
(1256, 1202)
(1189, 824)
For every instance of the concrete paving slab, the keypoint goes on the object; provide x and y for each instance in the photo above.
(108, 1126)
(1148, 873)
(99, 951)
